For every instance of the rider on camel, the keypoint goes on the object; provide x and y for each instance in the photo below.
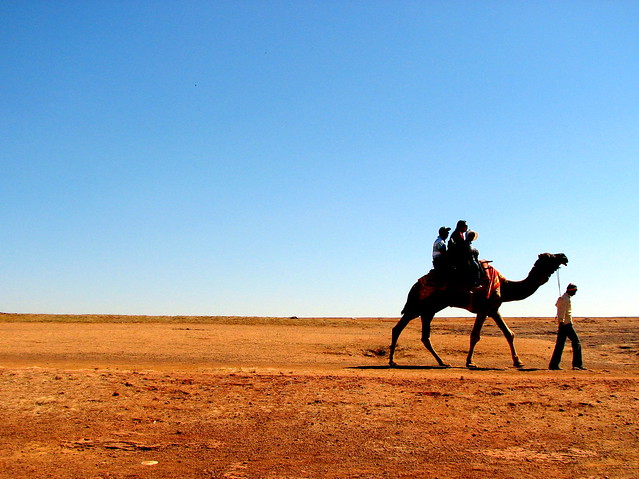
(462, 256)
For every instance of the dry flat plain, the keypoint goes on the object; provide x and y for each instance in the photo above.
(225, 397)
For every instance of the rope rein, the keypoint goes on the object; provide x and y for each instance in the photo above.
(558, 282)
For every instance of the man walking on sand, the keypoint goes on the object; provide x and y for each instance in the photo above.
(566, 330)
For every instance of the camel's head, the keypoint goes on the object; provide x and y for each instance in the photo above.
(552, 261)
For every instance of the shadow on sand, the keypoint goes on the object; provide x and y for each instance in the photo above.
(399, 367)
(423, 367)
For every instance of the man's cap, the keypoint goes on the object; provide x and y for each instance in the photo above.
(444, 229)
(461, 223)
(571, 287)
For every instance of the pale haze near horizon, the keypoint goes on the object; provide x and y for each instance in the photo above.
(297, 158)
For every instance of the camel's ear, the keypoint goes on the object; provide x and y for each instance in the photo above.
(544, 255)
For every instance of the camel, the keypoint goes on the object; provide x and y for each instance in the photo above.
(431, 294)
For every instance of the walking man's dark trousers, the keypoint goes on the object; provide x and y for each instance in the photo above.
(566, 331)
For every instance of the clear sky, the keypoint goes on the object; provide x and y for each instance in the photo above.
(297, 157)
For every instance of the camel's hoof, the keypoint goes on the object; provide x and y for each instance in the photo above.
(392, 364)
(471, 366)
(444, 365)
(519, 364)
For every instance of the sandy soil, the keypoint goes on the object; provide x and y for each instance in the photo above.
(123, 397)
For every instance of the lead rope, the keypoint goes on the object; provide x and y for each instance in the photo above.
(558, 286)
(558, 282)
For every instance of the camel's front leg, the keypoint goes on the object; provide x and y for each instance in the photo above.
(397, 330)
(510, 337)
(475, 336)
(426, 320)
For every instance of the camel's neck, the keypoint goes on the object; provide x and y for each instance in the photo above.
(518, 290)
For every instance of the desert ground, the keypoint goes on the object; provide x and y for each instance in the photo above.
(231, 397)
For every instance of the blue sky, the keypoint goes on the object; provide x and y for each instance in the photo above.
(297, 157)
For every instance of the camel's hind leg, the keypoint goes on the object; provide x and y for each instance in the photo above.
(397, 330)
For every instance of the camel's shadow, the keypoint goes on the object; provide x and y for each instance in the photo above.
(420, 367)
(381, 367)
(398, 367)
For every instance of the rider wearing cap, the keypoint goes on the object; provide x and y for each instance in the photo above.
(439, 248)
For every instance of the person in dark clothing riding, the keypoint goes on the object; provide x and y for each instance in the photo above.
(473, 258)
(457, 240)
(462, 256)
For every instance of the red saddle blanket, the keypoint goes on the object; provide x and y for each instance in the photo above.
(494, 277)
(435, 281)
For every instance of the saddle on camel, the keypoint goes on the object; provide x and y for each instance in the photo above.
(438, 280)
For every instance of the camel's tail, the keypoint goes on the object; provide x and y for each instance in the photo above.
(425, 286)
(413, 298)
